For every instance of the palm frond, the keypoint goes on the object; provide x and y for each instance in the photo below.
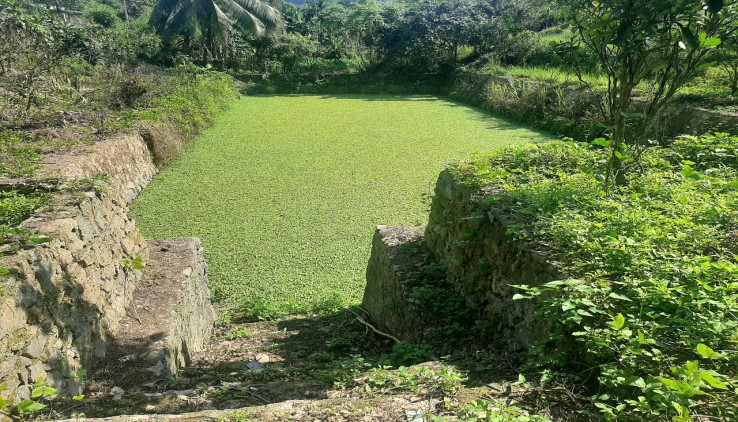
(184, 24)
(161, 13)
(270, 16)
(243, 18)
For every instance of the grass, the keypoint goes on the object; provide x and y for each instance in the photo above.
(710, 90)
(286, 191)
(551, 74)
(16, 207)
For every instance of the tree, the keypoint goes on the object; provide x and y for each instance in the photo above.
(426, 35)
(206, 25)
(655, 46)
(728, 60)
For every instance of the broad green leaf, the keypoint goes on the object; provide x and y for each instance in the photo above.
(39, 392)
(620, 297)
(602, 142)
(712, 381)
(712, 42)
(78, 398)
(681, 387)
(584, 312)
(706, 352)
(4, 271)
(689, 173)
(682, 412)
(691, 367)
(3, 404)
(618, 322)
(568, 306)
(30, 406)
(635, 381)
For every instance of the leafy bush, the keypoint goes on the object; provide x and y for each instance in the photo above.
(441, 380)
(102, 15)
(16, 207)
(646, 315)
(546, 97)
(167, 122)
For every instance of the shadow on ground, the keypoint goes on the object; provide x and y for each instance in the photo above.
(325, 358)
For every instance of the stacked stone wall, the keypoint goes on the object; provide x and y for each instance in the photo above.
(471, 239)
(64, 299)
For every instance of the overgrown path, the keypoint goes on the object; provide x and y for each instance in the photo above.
(285, 191)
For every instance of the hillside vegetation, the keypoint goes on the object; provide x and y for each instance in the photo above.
(286, 190)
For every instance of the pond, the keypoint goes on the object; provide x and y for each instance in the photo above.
(286, 191)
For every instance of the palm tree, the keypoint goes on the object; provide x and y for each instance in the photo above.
(206, 26)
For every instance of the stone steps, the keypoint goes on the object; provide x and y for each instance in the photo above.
(169, 318)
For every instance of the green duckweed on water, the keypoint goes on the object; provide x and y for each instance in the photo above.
(286, 191)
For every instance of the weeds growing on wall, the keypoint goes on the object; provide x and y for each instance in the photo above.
(647, 314)
(16, 207)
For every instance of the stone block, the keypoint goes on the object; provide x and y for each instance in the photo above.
(398, 252)
(170, 318)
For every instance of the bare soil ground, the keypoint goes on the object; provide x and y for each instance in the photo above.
(307, 368)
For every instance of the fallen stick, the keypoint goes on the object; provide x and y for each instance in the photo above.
(371, 327)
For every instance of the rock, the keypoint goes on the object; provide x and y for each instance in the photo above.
(397, 252)
(117, 393)
(171, 315)
(263, 358)
(158, 368)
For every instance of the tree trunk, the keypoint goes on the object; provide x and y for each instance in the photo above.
(615, 170)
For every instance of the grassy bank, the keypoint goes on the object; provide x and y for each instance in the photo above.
(644, 316)
(285, 191)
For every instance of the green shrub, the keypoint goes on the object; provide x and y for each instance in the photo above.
(105, 16)
(239, 333)
(17, 157)
(167, 122)
(16, 207)
(261, 308)
(646, 315)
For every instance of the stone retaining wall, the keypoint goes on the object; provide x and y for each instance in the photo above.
(125, 158)
(572, 111)
(398, 253)
(64, 299)
(470, 238)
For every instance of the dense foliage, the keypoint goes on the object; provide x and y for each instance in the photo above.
(661, 43)
(647, 314)
(412, 36)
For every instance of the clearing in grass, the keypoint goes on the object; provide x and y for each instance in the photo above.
(285, 191)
